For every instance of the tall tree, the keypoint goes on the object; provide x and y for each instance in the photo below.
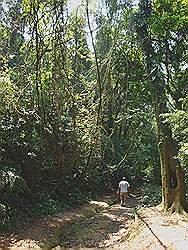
(173, 186)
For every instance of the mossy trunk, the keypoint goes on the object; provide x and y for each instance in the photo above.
(172, 174)
(173, 187)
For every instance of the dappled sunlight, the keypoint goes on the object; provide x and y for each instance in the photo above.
(105, 227)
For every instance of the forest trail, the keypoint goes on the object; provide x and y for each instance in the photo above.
(99, 225)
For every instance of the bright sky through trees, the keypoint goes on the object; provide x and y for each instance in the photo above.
(73, 4)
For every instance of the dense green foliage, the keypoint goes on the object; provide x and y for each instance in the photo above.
(77, 115)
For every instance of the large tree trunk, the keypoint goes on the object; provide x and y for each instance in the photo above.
(172, 176)
(173, 185)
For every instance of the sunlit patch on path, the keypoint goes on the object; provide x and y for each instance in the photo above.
(160, 231)
(98, 225)
(103, 230)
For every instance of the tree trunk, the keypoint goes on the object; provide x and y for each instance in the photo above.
(172, 176)
(173, 185)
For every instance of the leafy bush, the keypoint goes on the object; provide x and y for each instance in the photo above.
(152, 195)
(47, 206)
(77, 197)
(13, 188)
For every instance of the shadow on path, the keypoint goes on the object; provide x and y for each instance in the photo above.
(102, 229)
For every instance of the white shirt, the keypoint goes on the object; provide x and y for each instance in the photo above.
(123, 186)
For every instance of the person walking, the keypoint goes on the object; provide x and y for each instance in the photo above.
(123, 190)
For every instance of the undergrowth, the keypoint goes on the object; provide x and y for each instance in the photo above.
(152, 195)
(46, 204)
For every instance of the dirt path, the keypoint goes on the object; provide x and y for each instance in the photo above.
(104, 230)
(98, 225)
(47, 232)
